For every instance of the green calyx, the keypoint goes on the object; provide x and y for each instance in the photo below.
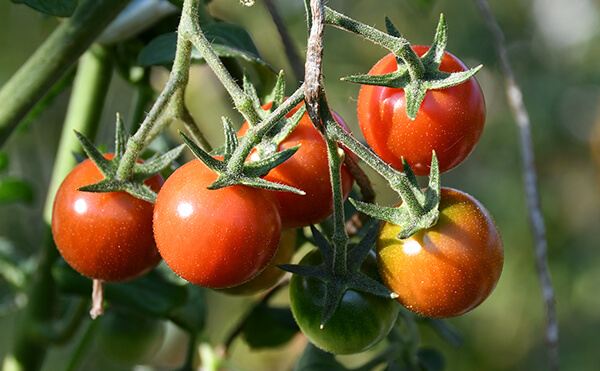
(265, 136)
(416, 75)
(352, 279)
(419, 209)
(109, 168)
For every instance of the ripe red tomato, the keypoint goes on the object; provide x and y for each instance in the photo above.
(448, 269)
(308, 170)
(214, 238)
(360, 321)
(272, 273)
(450, 121)
(105, 236)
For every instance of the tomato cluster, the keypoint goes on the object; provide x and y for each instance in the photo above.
(233, 238)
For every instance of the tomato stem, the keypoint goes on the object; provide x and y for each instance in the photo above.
(395, 43)
(193, 32)
(52, 59)
(397, 180)
(89, 91)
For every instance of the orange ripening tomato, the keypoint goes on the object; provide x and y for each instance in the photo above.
(448, 269)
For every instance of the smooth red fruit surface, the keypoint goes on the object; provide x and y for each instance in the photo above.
(448, 269)
(450, 121)
(105, 236)
(308, 170)
(271, 275)
(214, 238)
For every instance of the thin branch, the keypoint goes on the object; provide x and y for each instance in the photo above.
(515, 100)
(314, 63)
(288, 43)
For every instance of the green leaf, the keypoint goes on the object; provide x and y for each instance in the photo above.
(314, 359)
(13, 189)
(151, 294)
(59, 8)
(228, 40)
(191, 315)
(431, 359)
(446, 331)
(267, 327)
(3, 161)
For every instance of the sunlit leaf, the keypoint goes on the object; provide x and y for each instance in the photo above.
(59, 8)
(13, 189)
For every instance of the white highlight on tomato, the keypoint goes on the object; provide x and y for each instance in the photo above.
(80, 206)
(411, 247)
(185, 209)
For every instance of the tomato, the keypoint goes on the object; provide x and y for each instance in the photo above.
(214, 238)
(272, 273)
(360, 321)
(130, 338)
(450, 121)
(105, 236)
(448, 269)
(308, 170)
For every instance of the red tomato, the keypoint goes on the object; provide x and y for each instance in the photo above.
(450, 121)
(105, 236)
(214, 238)
(308, 170)
(448, 269)
(271, 275)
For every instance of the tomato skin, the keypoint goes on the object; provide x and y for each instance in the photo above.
(360, 321)
(214, 238)
(450, 121)
(308, 170)
(272, 273)
(448, 269)
(105, 236)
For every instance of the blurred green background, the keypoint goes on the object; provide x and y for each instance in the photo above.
(554, 47)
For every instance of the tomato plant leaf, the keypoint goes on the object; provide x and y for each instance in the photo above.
(13, 189)
(315, 359)
(228, 40)
(192, 314)
(3, 161)
(431, 359)
(151, 294)
(59, 8)
(267, 327)
(445, 330)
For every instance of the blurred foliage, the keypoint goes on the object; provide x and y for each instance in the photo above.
(553, 46)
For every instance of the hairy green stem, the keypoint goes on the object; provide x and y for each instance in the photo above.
(397, 180)
(255, 133)
(339, 237)
(52, 59)
(242, 102)
(178, 79)
(397, 45)
(85, 107)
